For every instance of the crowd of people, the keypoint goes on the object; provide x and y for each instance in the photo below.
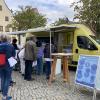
(30, 56)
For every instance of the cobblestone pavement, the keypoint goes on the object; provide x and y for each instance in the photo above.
(39, 89)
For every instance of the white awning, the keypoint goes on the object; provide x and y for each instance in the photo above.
(60, 28)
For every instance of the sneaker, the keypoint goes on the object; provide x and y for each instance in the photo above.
(4, 99)
(9, 98)
(23, 74)
(30, 79)
(47, 77)
(12, 83)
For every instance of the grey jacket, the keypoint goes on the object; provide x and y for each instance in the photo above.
(30, 51)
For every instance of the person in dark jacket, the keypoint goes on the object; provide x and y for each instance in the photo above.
(48, 58)
(16, 67)
(14, 43)
(5, 72)
(40, 55)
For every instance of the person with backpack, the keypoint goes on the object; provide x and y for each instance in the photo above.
(0, 75)
(6, 51)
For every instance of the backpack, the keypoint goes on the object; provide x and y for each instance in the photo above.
(2, 60)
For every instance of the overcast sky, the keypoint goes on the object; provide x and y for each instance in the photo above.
(53, 9)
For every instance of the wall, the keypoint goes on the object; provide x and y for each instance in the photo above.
(5, 12)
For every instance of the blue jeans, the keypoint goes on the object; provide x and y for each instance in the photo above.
(11, 75)
(5, 80)
(39, 66)
(48, 68)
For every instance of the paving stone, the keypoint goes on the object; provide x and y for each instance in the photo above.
(39, 89)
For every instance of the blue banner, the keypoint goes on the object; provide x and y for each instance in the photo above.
(86, 70)
(97, 82)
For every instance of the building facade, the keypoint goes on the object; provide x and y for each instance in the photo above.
(5, 17)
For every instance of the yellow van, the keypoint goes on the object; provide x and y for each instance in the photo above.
(75, 38)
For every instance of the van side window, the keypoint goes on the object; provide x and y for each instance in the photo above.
(85, 43)
(82, 41)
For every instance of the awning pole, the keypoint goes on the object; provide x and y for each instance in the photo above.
(50, 44)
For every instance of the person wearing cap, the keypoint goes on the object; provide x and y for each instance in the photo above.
(29, 56)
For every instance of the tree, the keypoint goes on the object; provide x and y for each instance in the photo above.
(61, 21)
(88, 12)
(28, 17)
